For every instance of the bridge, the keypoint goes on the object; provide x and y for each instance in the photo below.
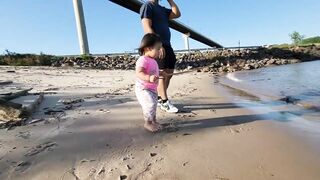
(134, 5)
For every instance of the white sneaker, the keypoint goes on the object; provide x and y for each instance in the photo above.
(168, 107)
(159, 103)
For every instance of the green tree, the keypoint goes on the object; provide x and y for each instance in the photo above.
(296, 37)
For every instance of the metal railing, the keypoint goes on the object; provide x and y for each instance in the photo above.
(133, 53)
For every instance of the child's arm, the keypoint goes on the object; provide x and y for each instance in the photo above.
(145, 77)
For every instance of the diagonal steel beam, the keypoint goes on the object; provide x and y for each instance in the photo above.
(134, 5)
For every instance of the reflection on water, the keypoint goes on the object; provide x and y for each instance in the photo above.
(298, 82)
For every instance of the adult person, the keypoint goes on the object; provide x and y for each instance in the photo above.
(155, 19)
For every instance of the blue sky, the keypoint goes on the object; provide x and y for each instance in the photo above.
(48, 26)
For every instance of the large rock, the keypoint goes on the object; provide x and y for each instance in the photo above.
(238, 59)
(271, 61)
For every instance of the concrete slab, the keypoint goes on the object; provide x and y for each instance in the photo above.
(29, 103)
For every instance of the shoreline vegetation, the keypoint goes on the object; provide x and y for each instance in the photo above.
(226, 60)
(218, 61)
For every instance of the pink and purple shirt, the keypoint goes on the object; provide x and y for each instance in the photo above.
(151, 68)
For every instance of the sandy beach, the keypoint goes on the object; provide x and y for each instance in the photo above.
(100, 134)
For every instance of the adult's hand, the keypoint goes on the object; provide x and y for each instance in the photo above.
(175, 10)
(162, 53)
(163, 74)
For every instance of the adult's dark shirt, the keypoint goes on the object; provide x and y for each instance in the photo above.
(159, 16)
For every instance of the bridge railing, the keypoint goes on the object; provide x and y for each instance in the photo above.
(135, 53)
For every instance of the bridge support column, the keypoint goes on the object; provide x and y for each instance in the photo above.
(81, 27)
(186, 41)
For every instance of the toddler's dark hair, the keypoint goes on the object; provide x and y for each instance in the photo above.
(148, 40)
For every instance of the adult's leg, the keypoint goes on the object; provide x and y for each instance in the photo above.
(169, 64)
(162, 87)
(166, 104)
(168, 78)
(164, 84)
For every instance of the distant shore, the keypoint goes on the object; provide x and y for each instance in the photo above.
(218, 61)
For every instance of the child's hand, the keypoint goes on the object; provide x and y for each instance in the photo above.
(153, 78)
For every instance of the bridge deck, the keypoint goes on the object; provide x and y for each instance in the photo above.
(134, 5)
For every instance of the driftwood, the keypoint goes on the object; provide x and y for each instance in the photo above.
(11, 124)
(5, 82)
(12, 95)
(4, 102)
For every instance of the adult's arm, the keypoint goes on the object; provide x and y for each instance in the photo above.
(146, 17)
(175, 12)
(147, 25)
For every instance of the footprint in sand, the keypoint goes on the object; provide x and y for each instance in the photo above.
(86, 160)
(92, 172)
(220, 178)
(170, 127)
(101, 174)
(123, 177)
(40, 148)
(185, 163)
(104, 110)
(186, 134)
(129, 167)
(102, 171)
(239, 130)
(22, 166)
(24, 135)
(153, 154)
(213, 110)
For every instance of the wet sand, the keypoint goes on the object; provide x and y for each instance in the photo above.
(101, 135)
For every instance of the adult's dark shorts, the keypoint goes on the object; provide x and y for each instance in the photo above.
(169, 61)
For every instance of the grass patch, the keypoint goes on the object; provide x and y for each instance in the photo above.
(312, 40)
(17, 59)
